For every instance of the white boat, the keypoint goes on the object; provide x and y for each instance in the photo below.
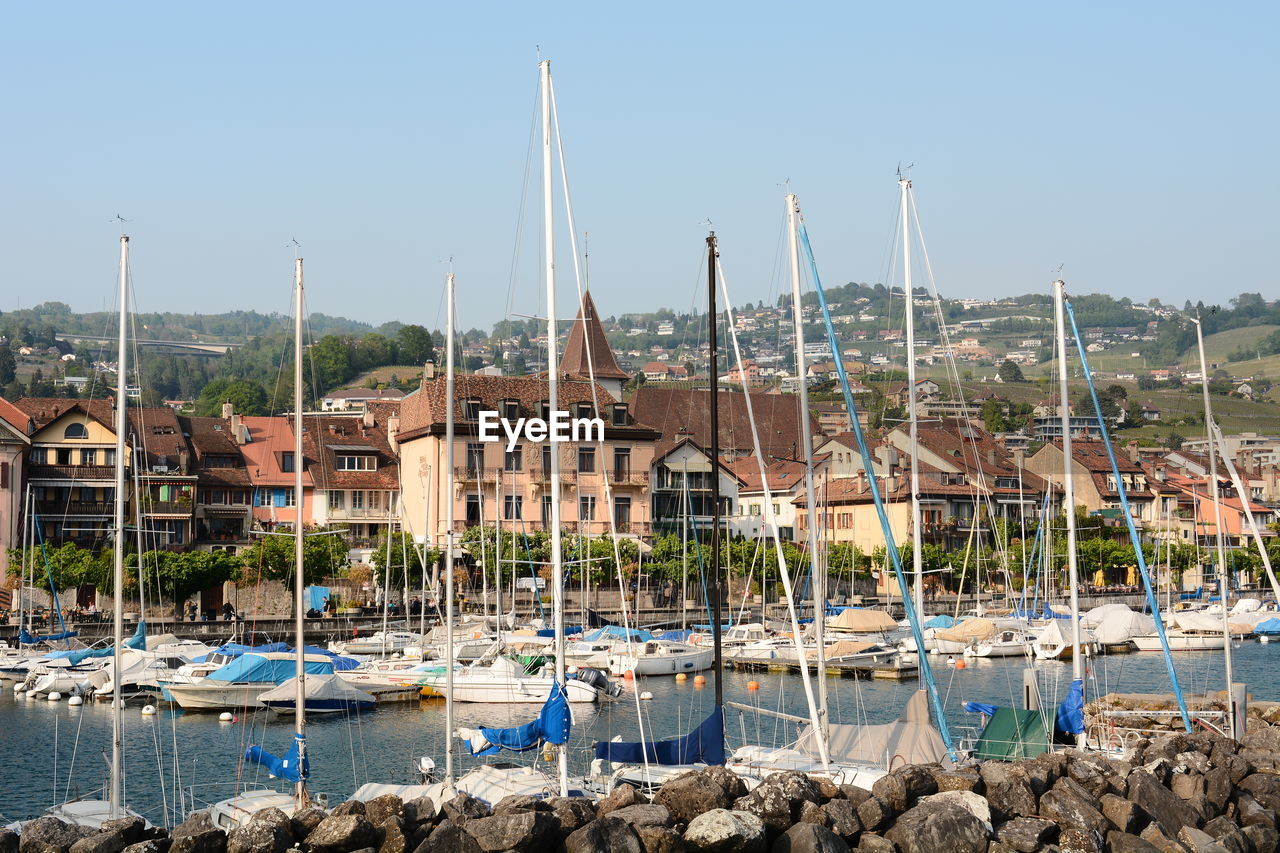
(1054, 642)
(390, 672)
(238, 684)
(378, 643)
(237, 811)
(506, 681)
(1181, 641)
(1007, 643)
(661, 657)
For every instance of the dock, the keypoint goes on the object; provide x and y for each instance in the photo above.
(879, 671)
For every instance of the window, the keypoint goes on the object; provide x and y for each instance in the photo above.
(586, 460)
(511, 459)
(546, 459)
(620, 415)
(511, 410)
(473, 510)
(64, 456)
(475, 459)
(755, 509)
(283, 497)
(286, 463)
(622, 514)
(622, 461)
(357, 499)
(471, 409)
(337, 499)
(544, 410)
(38, 456)
(221, 462)
(239, 497)
(362, 462)
(86, 494)
(583, 410)
(88, 456)
(546, 510)
(108, 457)
(587, 508)
(512, 506)
(75, 431)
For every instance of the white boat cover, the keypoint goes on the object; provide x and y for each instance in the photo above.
(316, 688)
(911, 739)
(1247, 605)
(967, 631)
(1121, 625)
(1192, 620)
(843, 648)
(863, 621)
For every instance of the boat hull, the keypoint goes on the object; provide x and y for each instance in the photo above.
(207, 697)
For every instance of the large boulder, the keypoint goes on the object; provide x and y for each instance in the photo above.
(809, 838)
(902, 788)
(1122, 813)
(1071, 807)
(644, 814)
(260, 836)
(725, 831)
(1163, 807)
(463, 808)
(154, 845)
(1187, 786)
(1217, 788)
(528, 830)
(944, 827)
(521, 803)
(731, 782)
(660, 839)
(349, 807)
(779, 800)
(959, 779)
(875, 814)
(302, 822)
(448, 837)
(609, 834)
(1262, 839)
(1199, 842)
(1263, 787)
(1123, 842)
(104, 841)
(691, 794)
(620, 797)
(1027, 834)
(342, 834)
(842, 819)
(1156, 836)
(380, 808)
(200, 841)
(572, 813)
(1249, 812)
(1008, 789)
(967, 800)
(8, 841)
(394, 837)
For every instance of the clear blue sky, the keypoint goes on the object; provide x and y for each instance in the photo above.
(1133, 142)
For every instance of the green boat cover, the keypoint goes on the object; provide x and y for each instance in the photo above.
(1011, 734)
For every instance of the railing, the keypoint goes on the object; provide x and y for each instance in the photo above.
(73, 472)
(628, 478)
(371, 513)
(166, 507)
(539, 474)
(51, 508)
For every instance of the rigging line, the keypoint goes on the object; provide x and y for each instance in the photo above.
(524, 199)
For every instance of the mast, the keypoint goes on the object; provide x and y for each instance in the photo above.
(712, 319)
(553, 368)
(817, 572)
(1224, 577)
(117, 578)
(913, 421)
(1068, 480)
(386, 589)
(27, 521)
(448, 533)
(299, 623)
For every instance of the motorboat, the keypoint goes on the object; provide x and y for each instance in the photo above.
(238, 684)
(1005, 643)
(378, 643)
(661, 657)
(506, 681)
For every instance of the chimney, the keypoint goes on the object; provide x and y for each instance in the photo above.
(393, 429)
(184, 461)
(237, 429)
(228, 409)
(368, 418)
(991, 456)
(1162, 473)
(429, 370)
(1133, 451)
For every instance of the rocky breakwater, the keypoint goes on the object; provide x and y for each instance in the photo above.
(1180, 793)
(1156, 712)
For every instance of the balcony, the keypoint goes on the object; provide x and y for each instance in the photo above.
(93, 508)
(362, 514)
(628, 478)
(73, 472)
(543, 475)
(179, 508)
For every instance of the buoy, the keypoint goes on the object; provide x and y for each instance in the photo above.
(54, 696)
(572, 670)
(960, 664)
(74, 701)
(646, 695)
(1264, 639)
(753, 685)
(224, 717)
(629, 674)
(680, 676)
(148, 710)
(699, 680)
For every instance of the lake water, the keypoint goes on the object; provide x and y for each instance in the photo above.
(51, 750)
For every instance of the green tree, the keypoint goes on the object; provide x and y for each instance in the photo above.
(323, 556)
(1010, 372)
(248, 397)
(8, 365)
(993, 417)
(182, 574)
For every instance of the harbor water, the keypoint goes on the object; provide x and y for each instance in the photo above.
(53, 751)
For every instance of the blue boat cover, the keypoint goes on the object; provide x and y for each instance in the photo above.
(237, 649)
(551, 726)
(617, 632)
(316, 597)
(940, 621)
(287, 767)
(1070, 719)
(340, 663)
(981, 708)
(703, 745)
(677, 636)
(28, 640)
(137, 641)
(255, 667)
(1270, 626)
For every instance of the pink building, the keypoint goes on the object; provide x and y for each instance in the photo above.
(268, 457)
(16, 428)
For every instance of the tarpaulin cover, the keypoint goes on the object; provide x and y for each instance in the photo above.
(617, 632)
(911, 739)
(677, 635)
(237, 649)
(137, 641)
(843, 648)
(316, 596)
(703, 745)
(28, 640)
(340, 663)
(1012, 734)
(863, 621)
(942, 620)
(967, 631)
(287, 767)
(1070, 718)
(272, 666)
(551, 726)
(981, 708)
(1271, 626)
(317, 689)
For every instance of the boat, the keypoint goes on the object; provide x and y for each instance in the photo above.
(378, 643)
(1005, 643)
(238, 684)
(661, 657)
(323, 694)
(506, 681)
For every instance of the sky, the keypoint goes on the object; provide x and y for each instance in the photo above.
(1131, 143)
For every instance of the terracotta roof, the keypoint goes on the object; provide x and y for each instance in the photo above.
(270, 437)
(783, 474)
(670, 410)
(156, 429)
(366, 394)
(16, 418)
(212, 437)
(326, 435)
(587, 332)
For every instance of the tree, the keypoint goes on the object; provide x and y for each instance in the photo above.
(247, 396)
(1117, 392)
(182, 574)
(993, 417)
(415, 345)
(272, 556)
(8, 365)
(1010, 372)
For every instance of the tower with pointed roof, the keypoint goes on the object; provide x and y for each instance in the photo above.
(587, 337)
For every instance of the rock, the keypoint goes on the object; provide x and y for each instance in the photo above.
(902, 788)
(1262, 839)
(206, 841)
(1264, 787)
(1123, 842)
(1249, 812)
(130, 827)
(778, 800)
(154, 845)
(620, 797)
(394, 839)
(1262, 737)
(8, 841)
(939, 828)
(465, 807)
(1074, 840)
(1071, 807)
(873, 843)
(809, 838)
(689, 795)
(521, 803)
(1217, 788)
(1188, 786)
(1236, 766)
(874, 813)
(527, 830)
(660, 839)
(842, 819)
(1155, 836)
(812, 813)
(379, 809)
(827, 790)
(608, 834)
(731, 782)
(967, 800)
(1199, 842)
(349, 807)
(1123, 814)
(1008, 789)
(1158, 802)
(725, 831)
(1091, 777)
(448, 837)
(1192, 762)
(101, 842)
(956, 780)
(197, 822)
(855, 795)
(644, 814)
(306, 820)
(1027, 834)
(572, 813)
(342, 833)
(268, 836)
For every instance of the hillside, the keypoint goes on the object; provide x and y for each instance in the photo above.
(1220, 346)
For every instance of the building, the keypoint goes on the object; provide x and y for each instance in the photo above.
(1094, 484)
(224, 495)
(268, 452)
(681, 489)
(785, 480)
(356, 474)
(679, 412)
(358, 398)
(587, 354)
(16, 428)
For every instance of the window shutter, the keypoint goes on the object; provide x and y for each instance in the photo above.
(278, 497)
(4, 475)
